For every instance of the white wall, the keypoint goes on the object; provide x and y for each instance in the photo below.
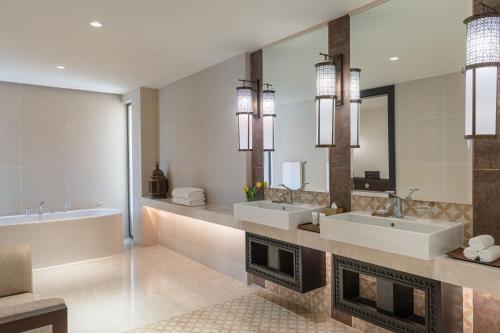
(198, 133)
(59, 144)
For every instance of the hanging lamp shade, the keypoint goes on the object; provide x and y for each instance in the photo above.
(244, 114)
(481, 71)
(269, 117)
(355, 76)
(325, 103)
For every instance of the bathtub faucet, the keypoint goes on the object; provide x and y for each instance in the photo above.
(40, 207)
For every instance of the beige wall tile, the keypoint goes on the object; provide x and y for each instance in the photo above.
(93, 110)
(211, 139)
(427, 177)
(456, 148)
(47, 184)
(454, 94)
(86, 186)
(42, 146)
(198, 133)
(420, 141)
(457, 183)
(420, 99)
(43, 129)
(10, 190)
(9, 103)
(9, 145)
(87, 146)
(44, 105)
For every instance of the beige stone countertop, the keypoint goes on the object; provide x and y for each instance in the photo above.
(443, 268)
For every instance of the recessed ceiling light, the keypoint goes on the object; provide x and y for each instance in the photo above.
(96, 24)
(61, 67)
(394, 58)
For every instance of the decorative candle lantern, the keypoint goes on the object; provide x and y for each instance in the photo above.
(325, 102)
(355, 106)
(158, 184)
(481, 71)
(268, 117)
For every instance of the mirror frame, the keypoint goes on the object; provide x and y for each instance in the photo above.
(389, 92)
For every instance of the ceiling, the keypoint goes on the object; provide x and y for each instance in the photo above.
(428, 36)
(146, 43)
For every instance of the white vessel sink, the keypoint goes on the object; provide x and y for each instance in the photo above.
(277, 215)
(409, 236)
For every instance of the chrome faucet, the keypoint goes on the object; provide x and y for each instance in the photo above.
(40, 207)
(397, 205)
(290, 192)
(66, 205)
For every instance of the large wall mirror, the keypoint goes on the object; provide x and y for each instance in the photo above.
(418, 48)
(289, 66)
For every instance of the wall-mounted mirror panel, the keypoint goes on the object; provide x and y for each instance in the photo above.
(419, 47)
(289, 66)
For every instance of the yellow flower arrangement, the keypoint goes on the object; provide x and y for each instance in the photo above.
(251, 191)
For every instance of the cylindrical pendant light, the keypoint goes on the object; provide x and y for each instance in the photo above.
(355, 106)
(268, 117)
(245, 117)
(325, 103)
(481, 71)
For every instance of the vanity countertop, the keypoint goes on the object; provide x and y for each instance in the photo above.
(443, 268)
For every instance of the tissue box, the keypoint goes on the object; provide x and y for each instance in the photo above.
(332, 211)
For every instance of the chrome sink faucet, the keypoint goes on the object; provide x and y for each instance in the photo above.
(397, 205)
(40, 207)
(290, 192)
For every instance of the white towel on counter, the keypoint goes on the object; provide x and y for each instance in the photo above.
(187, 192)
(490, 254)
(470, 253)
(481, 242)
(188, 202)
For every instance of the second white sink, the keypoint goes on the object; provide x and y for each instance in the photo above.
(410, 236)
(277, 215)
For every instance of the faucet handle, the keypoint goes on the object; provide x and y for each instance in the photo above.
(392, 194)
(286, 187)
(303, 186)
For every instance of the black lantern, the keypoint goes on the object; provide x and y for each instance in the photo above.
(158, 183)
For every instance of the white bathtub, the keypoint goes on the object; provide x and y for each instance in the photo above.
(60, 238)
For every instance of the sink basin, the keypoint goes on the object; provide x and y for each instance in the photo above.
(413, 237)
(281, 216)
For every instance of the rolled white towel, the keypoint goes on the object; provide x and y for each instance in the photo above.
(187, 192)
(188, 202)
(490, 254)
(470, 253)
(481, 242)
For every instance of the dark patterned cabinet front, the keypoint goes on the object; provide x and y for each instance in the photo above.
(296, 267)
(393, 308)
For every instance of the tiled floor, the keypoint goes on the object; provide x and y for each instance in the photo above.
(152, 287)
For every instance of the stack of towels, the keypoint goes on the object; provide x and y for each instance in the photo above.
(188, 196)
(483, 248)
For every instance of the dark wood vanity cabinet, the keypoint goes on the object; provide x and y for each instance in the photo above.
(393, 308)
(296, 267)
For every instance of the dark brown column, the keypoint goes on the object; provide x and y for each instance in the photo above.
(452, 312)
(257, 132)
(340, 155)
(486, 208)
(486, 176)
